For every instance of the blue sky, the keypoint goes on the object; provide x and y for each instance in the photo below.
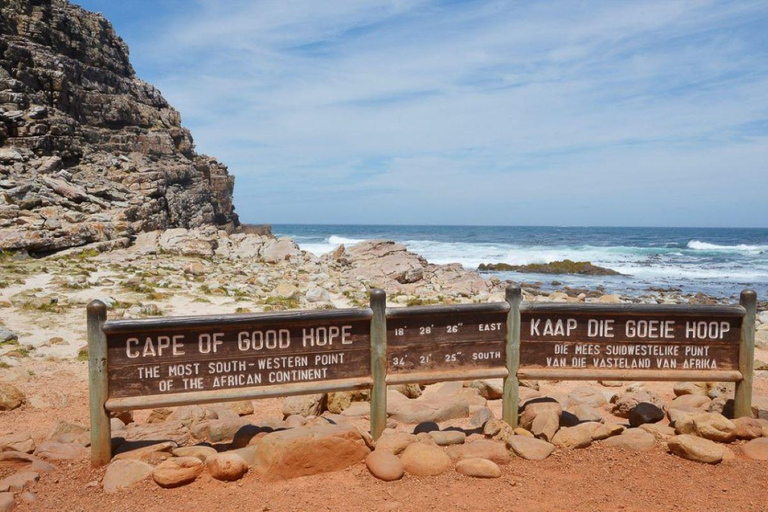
(469, 112)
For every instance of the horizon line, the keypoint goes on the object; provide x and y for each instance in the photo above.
(498, 225)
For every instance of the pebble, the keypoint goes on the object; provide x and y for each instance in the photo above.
(696, 449)
(7, 335)
(448, 437)
(645, 412)
(757, 449)
(177, 471)
(748, 428)
(478, 468)
(530, 448)
(421, 459)
(7, 503)
(572, 437)
(482, 449)
(121, 474)
(226, 466)
(384, 465)
(633, 439)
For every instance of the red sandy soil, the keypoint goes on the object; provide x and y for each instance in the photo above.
(596, 478)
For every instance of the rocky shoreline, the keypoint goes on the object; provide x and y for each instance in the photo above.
(209, 270)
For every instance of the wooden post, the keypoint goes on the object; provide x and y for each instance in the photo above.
(378, 362)
(511, 385)
(742, 405)
(101, 435)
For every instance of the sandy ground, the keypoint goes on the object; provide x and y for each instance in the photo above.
(596, 478)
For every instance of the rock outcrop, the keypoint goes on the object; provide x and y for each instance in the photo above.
(89, 152)
(390, 265)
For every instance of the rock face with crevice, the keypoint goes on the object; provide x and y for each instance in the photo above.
(89, 152)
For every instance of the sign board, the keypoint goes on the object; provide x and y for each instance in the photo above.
(192, 354)
(135, 364)
(445, 338)
(640, 337)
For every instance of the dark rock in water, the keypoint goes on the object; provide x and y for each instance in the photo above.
(88, 151)
(643, 413)
(556, 267)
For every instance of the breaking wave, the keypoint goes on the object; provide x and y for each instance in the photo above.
(697, 245)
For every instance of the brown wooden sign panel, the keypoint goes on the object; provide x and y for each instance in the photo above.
(450, 338)
(642, 339)
(202, 354)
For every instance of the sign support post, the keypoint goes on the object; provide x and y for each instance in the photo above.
(742, 403)
(514, 296)
(378, 362)
(101, 434)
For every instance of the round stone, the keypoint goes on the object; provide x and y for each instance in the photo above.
(530, 448)
(384, 465)
(448, 437)
(121, 474)
(425, 460)
(696, 448)
(226, 466)
(177, 471)
(756, 449)
(645, 412)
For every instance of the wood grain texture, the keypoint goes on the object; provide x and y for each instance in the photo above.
(378, 362)
(620, 338)
(435, 339)
(632, 375)
(228, 395)
(632, 309)
(446, 375)
(511, 394)
(98, 384)
(212, 356)
(743, 394)
(236, 320)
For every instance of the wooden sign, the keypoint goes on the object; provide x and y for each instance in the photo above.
(135, 364)
(630, 338)
(444, 338)
(184, 355)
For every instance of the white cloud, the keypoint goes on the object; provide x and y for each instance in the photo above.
(442, 104)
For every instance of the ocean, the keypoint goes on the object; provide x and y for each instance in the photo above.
(717, 261)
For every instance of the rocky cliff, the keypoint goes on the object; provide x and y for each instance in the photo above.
(89, 152)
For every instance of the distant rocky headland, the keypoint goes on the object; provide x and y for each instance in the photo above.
(88, 151)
